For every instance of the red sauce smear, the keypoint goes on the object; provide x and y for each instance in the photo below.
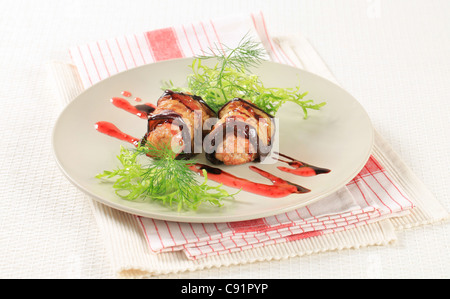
(126, 93)
(280, 187)
(140, 110)
(111, 130)
(300, 168)
(137, 99)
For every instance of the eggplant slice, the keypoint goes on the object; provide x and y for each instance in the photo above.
(178, 122)
(244, 133)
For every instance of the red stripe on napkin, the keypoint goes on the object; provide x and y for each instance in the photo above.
(164, 44)
(248, 225)
(304, 235)
(372, 166)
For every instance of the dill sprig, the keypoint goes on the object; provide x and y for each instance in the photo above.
(162, 179)
(231, 77)
(247, 54)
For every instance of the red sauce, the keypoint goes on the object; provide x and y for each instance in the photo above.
(280, 187)
(111, 130)
(126, 93)
(140, 110)
(300, 168)
(137, 99)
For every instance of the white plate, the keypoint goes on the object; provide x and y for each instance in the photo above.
(338, 137)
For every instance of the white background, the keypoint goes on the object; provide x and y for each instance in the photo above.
(392, 55)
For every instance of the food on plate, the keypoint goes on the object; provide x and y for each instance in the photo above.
(178, 122)
(224, 111)
(243, 133)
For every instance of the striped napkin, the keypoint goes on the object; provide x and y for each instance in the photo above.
(370, 196)
(352, 217)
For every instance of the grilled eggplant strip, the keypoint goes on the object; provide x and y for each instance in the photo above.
(175, 120)
(243, 134)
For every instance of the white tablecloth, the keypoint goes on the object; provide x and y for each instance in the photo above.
(393, 56)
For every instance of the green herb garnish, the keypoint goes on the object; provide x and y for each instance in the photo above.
(231, 77)
(163, 179)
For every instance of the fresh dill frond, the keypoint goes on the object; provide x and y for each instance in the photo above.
(163, 179)
(247, 54)
(231, 77)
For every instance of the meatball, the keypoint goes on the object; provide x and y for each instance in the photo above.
(235, 150)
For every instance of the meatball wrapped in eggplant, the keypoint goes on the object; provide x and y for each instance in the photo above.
(244, 133)
(178, 122)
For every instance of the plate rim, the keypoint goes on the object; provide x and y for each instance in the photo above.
(175, 216)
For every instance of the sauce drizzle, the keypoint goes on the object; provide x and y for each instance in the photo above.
(126, 93)
(111, 130)
(141, 111)
(300, 168)
(280, 187)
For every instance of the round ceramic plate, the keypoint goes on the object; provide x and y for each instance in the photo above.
(339, 137)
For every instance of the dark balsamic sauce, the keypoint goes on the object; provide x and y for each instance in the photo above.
(183, 98)
(209, 169)
(146, 108)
